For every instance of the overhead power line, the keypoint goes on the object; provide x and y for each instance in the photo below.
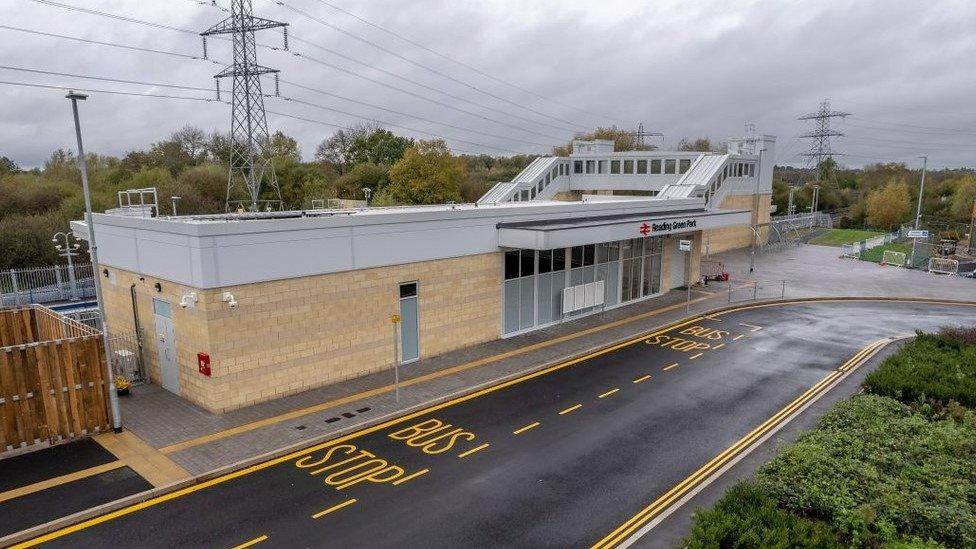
(334, 67)
(295, 84)
(419, 84)
(395, 125)
(113, 16)
(928, 128)
(106, 79)
(465, 65)
(113, 92)
(101, 43)
(289, 99)
(432, 70)
(423, 119)
(422, 97)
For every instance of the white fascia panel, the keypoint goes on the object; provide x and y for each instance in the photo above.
(567, 237)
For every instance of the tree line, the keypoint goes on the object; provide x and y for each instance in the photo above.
(193, 165)
(879, 196)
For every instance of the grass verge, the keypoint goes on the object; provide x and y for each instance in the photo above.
(895, 467)
(839, 237)
(876, 254)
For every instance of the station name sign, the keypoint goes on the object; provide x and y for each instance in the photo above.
(668, 226)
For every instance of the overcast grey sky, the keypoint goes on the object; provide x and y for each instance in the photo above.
(685, 68)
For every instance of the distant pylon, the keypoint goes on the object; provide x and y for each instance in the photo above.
(249, 166)
(820, 149)
(640, 134)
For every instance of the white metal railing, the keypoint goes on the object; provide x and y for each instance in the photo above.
(756, 290)
(46, 284)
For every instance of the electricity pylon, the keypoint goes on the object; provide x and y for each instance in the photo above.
(249, 166)
(820, 149)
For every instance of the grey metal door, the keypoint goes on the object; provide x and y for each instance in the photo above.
(409, 322)
(169, 368)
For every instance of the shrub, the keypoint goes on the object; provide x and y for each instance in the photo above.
(747, 517)
(878, 471)
(939, 367)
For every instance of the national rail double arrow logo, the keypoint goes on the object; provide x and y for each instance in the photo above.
(645, 229)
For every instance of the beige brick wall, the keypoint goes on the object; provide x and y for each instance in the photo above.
(731, 238)
(292, 335)
(192, 334)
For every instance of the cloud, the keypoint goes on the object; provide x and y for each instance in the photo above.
(686, 69)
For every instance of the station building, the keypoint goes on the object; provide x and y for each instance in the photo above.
(238, 309)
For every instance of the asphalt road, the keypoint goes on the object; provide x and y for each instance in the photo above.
(559, 459)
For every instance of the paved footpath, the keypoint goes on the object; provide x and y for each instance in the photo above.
(585, 452)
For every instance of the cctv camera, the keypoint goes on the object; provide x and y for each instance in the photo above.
(233, 304)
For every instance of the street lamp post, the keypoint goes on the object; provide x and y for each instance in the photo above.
(921, 191)
(113, 396)
(68, 251)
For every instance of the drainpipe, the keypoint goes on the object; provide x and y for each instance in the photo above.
(135, 321)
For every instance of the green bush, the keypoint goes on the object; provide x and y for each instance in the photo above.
(878, 471)
(746, 517)
(938, 367)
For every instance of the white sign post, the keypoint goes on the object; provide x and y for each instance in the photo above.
(685, 246)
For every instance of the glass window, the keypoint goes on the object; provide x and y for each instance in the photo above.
(752, 170)
(408, 290)
(511, 264)
(614, 166)
(602, 166)
(527, 303)
(669, 166)
(577, 259)
(528, 263)
(684, 165)
(591, 166)
(588, 254)
(545, 261)
(642, 166)
(525, 195)
(552, 175)
(626, 249)
(656, 166)
(602, 253)
(577, 166)
(559, 259)
(511, 306)
(533, 193)
(648, 243)
(628, 166)
(545, 294)
(613, 251)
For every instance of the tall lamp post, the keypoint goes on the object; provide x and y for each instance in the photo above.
(113, 396)
(68, 251)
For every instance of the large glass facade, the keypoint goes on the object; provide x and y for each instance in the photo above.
(535, 280)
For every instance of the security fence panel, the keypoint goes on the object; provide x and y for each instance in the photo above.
(20, 287)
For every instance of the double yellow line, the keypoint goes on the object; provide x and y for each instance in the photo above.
(648, 513)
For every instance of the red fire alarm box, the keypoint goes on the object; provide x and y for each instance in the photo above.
(203, 363)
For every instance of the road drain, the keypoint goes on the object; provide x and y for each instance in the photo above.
(347, 415)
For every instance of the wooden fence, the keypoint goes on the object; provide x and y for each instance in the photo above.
(52, 379)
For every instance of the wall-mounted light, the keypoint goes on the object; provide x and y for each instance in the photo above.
(105, 273)
(189, 300)
(159, 287)
(228, 298)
